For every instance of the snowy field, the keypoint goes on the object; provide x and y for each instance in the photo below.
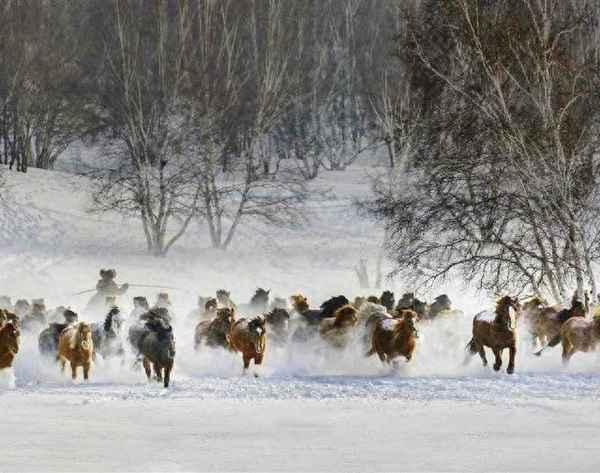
(311, 408)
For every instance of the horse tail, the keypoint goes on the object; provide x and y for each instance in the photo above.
(552, 343)
(472, 346)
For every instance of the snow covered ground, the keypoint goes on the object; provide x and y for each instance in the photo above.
(311, 408)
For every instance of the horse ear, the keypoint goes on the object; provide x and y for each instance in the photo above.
(268, 291)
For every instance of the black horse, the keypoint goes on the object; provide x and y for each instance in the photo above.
(155, 345)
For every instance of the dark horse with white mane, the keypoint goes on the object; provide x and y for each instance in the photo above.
(107, 335)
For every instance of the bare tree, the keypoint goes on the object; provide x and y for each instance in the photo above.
(143, 96)
(502, 186)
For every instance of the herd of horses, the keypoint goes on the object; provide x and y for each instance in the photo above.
(382, 325)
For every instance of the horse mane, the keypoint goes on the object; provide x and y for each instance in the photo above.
(345, 315)
(108, 321)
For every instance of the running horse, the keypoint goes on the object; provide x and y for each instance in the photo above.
(496, 330)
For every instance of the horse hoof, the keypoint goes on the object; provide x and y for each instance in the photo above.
(510, 370)
(496, 367)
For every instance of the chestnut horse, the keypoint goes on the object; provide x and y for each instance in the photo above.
(337, 330)
(579, 334)
(76, 346)
(9, 343)
(249, 336)
(393, 337)
(498, 331)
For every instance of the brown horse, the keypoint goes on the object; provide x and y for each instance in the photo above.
(249, 336)
(215, 332)
(9, 343)
(579, 334)
(76, 346)
(337, 330)
(395, 337)
(498, 331)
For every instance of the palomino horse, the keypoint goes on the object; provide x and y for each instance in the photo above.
(393, 337)
(496, 330)
(579, 334)
(9, 343)
(249, 336)
(76, 346)
(337, 330)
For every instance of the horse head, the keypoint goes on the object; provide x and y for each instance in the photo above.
(10, 334)
(504, 315)
(408, 317)
(257, 329)
(84, 335)
(299, 302)
(345, 316)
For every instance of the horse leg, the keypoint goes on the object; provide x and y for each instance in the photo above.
(257, 362)
(73, 371)
(567, 351)
(167, 376)
(86, 371)
(498, 356)
(512, 350)
(481, 351)
(158, 372)
(63, 365)
(146, 364)
(247, 359)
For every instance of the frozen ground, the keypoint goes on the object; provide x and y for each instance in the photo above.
(311, 409)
